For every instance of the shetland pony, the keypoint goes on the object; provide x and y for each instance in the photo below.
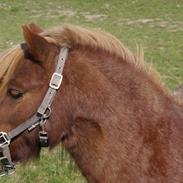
(112, 112)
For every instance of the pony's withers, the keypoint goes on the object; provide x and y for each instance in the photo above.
(112, 113)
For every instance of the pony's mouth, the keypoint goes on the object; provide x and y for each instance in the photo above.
(9, 159)
(7, 167)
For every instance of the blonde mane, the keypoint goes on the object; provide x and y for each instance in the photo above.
(8, 61)
(71, 36)
(74, 35)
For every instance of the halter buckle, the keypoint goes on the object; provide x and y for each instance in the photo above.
(6, 168)
(4, 140)
(56, 81)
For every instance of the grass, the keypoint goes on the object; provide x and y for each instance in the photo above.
(54, 168)
(156, 25)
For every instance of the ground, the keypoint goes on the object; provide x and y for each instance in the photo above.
(155, 25)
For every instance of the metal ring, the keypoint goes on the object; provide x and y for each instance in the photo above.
(47, 113)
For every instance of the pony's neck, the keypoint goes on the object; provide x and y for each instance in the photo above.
(114, 119)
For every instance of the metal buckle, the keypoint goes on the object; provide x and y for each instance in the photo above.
(6, 167)
(4, 141)
(56, 81)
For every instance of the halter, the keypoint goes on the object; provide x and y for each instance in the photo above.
(43, 113)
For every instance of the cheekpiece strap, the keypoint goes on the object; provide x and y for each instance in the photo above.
(55, 82)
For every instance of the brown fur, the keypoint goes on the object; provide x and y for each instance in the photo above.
(116, 119)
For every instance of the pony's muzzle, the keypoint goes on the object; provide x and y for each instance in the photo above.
(7, 167)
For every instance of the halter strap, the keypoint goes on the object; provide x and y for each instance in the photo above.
(54, 85)
(37, 119)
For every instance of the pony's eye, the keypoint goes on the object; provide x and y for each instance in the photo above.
(15, 94)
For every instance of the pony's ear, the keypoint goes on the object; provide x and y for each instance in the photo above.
(35, 28)
(37, 44)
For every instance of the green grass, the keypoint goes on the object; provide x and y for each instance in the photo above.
(52, 167)
(157, 25)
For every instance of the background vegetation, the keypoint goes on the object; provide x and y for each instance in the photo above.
(157, 25)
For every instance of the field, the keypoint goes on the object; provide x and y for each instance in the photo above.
(156, 25)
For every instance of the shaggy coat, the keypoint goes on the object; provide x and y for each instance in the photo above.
(112, 113)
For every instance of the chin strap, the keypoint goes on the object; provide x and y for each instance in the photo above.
(38, 119)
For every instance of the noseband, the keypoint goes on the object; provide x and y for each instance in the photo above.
(39, 119)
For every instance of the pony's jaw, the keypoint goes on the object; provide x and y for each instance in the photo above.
(24, 149)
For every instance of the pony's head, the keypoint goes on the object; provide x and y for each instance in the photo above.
(25, 72)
